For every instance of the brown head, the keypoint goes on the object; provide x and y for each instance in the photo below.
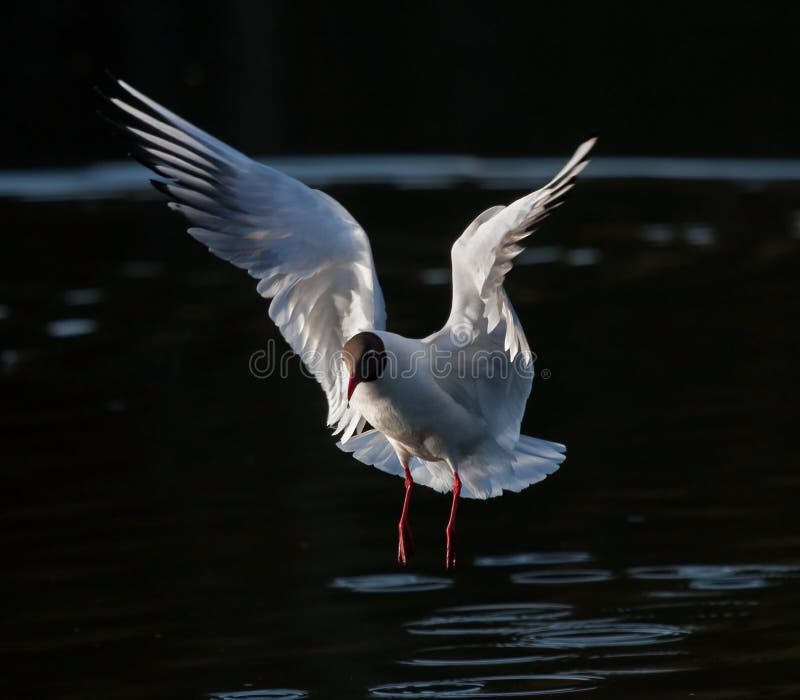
(364, 356)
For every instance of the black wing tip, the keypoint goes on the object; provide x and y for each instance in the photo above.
(126, 122)
(177, 203)
(174, 202)
(104, 95)
(141, 156)
(98, 91)
(109, 86)
(137, 130)
(107, 94)
(162, 187)
(107, 119)
(116, 127)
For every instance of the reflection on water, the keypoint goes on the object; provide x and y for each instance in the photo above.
(270, 694)
(695, 234)
(658, 234)
(173, 527)
(465, 655)
(514, 686)
(578, 257)
(491, 619)
(600, 647)
(699, 235)
(559, 577)
(68, 327)
(594, 634)
(705, 577)
(534, 558)
(391, 583)
(83, 297)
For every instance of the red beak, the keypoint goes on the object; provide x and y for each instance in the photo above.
(351, 386)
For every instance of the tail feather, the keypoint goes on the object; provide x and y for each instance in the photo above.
(541, 448)
(372, 447)
(485, 474)
(534, 460)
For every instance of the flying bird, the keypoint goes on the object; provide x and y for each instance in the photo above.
(444, 411)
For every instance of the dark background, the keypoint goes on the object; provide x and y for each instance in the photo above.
(170, 527)
(527, 78)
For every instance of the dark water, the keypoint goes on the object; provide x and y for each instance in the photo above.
(175, 528)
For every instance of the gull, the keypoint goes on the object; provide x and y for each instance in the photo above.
(443, 411)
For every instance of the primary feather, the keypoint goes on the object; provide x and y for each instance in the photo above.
(309, 254)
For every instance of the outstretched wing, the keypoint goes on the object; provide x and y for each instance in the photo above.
(483, 254)
(482, 322)
(310, 256)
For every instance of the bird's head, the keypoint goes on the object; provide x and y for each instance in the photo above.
(364, 355)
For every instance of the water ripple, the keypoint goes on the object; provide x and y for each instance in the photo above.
(534, 559)
(266, 694)
(87, 296)
(642, 663)
(561, 576)
(700, 235)
(516, 686)
(459, 655)
(714, 577)
(391, 583)
(580, 257)
(70, 327)
(592, 634)
(495, 619)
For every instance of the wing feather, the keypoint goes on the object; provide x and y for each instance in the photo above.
(484, 254)
(482, 321)
(309, 254)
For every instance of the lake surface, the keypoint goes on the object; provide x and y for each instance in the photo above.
(173, 527)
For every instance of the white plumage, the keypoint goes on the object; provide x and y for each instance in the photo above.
(314, 261)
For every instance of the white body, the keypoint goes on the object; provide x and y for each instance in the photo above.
(413, 407)
(438, 418)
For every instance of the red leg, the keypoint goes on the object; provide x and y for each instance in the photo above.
(405, 546)
(450, 531)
